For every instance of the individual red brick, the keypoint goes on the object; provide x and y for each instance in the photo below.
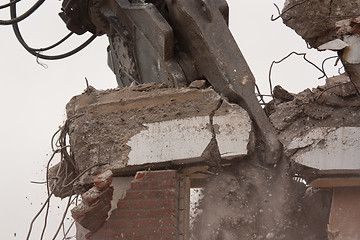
(160, 194)
(102, 234)
(93, 195)
(144, 203)
(122, 213)
(164, 174)
(122, 204)
(171, 237)
(100, 209)
(159, 231)
(116, 223)
(81, 212)
(103, 180)
(150, 222)
(168, 203)
(170, 221)
(160, 213)
(128, 233)
(144, 184)
(169, 183)
(140, 175)
(130, 194)
(92, 217)
(145, 238)
(94, 224)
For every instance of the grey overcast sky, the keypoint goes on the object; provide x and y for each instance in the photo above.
(33, 98)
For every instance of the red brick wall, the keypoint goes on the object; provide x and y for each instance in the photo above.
(149, 210)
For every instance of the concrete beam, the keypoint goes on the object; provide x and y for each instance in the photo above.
(328, 149)
(151, 126)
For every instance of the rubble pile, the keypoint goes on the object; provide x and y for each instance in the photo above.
(252, 201)
(332, 106)
(256, 203)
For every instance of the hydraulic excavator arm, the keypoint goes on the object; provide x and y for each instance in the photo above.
(174, 42)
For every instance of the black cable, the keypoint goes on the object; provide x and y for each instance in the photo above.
(9, 4)
(55, 44)
(24, 15)
(36, 52)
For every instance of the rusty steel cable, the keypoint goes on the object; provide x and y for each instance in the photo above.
(63, 178)
(339, 70)
(65, 213)
(323, 65)
(37, 215)
(69, 228)
(285, 11)
(261, 96)
(284, 58)
(24, 15)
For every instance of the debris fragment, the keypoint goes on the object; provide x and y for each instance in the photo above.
(123, 127)
(92, 212)
(330, 25)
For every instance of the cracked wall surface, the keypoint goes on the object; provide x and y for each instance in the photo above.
(152, 126)
(319, 127)
(328, 148)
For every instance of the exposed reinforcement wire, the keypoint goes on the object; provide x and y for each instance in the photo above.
(64, 178)
(285, 11)
(296, 53)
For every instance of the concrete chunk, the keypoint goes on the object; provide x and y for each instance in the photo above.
(154, 126)
(232, 126)
(328, 148)
(178, 139)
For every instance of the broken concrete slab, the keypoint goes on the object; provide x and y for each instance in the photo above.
(231, 126)
(340, 85)
(154, 126)
(161, 140)
(157, 143)
(329, 25)
(328, 148)
(315, 21)
(319, 128)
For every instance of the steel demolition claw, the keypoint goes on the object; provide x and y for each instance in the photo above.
(202, 30)
(175, 43)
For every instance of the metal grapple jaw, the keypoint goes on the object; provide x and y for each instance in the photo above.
(176, 42)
